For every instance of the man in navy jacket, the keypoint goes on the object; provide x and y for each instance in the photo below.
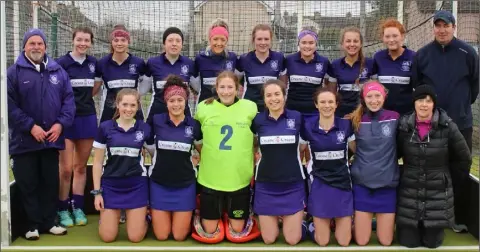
(451, 66)
(40, 105)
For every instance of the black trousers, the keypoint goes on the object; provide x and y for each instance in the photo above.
(461, 186)
(37, 177)
(413, 237)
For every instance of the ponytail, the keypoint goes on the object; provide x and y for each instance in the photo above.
(210, 100)
(116, 115)
(356, 116)
(361, 57)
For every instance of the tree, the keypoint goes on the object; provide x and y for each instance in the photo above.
(383, 9)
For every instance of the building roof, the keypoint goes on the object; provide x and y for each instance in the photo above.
(269, 9)
(464, 6)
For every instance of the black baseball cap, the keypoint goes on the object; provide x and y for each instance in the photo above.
(444, 15)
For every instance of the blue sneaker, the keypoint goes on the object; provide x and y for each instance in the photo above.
(311, 231)
(79, 217)
(65, 218)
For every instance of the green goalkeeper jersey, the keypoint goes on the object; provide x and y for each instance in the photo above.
(226, 162)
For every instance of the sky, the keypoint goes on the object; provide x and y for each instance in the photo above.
(158, 15)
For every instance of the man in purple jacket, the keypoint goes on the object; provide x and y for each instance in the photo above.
(40, 106)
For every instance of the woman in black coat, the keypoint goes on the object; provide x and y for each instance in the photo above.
(431, 145)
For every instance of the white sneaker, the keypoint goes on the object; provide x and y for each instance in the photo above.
(32, 235)
(58, 230)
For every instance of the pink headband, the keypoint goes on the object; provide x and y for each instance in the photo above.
(120, 33)
(174, 90)
(219, 30)
(373, 86)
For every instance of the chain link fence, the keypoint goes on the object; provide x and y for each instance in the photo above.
(146, 21)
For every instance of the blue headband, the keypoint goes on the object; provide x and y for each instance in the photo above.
(307, 32)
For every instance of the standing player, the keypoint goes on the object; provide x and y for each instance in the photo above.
(331, 195)
(118, 70)
(306, 71)
(260, 65)
(169, 62)
(279, 182)
(122, 183)
(227, 157)
(79, 137)
(173, 176)
(375, 168)
(215, 59)
(393, 67)
(349, 72)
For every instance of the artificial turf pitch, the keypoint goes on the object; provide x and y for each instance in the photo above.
(85, 238)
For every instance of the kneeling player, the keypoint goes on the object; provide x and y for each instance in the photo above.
(172, 178)
(226, 164)
(123, 183)
(279, 182)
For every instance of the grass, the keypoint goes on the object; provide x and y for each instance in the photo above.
(475, 165)
(88, 235)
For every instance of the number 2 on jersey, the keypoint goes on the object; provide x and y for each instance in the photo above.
(228, 131)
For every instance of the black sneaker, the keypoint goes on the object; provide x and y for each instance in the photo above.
(123, 216)
(460, 228)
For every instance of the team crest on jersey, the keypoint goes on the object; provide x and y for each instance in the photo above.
(406, 66)
(184, 69)
(274, 65)
(91, 66)
(139, 136)
(54, 79)
(188, 131)
(229, 65)
(364, 73)
(340, 136)
(386, 130)
(132, 68)
(318, 67)
(290, 123)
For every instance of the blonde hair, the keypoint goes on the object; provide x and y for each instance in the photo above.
(217, 23)
(120, 95)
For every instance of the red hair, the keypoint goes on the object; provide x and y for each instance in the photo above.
(391, 22)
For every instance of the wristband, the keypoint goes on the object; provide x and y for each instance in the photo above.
(96, 192)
